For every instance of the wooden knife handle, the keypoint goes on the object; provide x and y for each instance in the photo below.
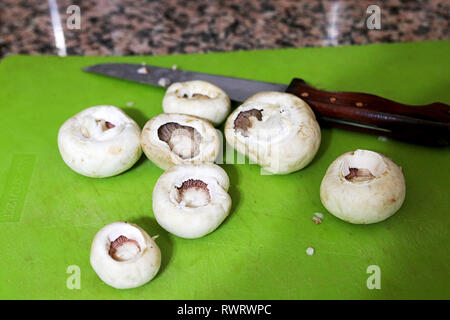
(428, 125)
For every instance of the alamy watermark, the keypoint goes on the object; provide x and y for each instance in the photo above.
(373, 21)
(269, 152)
(73, 21)
(74, 280)
(374, 280)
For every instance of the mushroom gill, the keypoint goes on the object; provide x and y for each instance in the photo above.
(195, 96)
(194, 193)
(242, 121)
(105, 125)
(182, 140)
(359, 175)
(123, 249)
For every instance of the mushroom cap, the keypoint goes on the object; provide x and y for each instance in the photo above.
(161, 153)
(185, 221)
(368, 201)
(91, 147)
(284, 139)
(131, 273)
(198, 98)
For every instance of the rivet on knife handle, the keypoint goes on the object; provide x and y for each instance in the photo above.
(429, 124)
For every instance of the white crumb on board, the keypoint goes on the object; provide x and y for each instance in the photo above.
(174, 67)
(319, 215)
(130, 104)
(381, 138)
(310, 251)
(143, 70)
(163, 82)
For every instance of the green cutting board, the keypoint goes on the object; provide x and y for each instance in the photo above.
(49, 214)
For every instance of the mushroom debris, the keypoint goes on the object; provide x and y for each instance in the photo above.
(310, 251)
(198, 98)
(124, 256)
(191, 200)
(276, 130)
(171, 138)
(363, 187)
(100, 141)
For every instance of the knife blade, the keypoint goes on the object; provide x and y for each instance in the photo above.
(427, 125)
(236, 88)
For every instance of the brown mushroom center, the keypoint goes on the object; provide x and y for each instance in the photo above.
(359, 175)
(106, 125)
(194, 193)
(123, 249)
(109, 125)
(243, 122)
(182, 140)
(195, 96)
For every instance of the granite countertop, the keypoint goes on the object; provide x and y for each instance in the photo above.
(145, 27)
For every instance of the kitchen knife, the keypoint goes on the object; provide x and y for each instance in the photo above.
(428, 124)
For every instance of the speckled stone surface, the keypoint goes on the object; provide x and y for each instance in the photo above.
(145, 27)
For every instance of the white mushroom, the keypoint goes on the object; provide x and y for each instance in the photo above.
(124, 256)
(191, 200)
(198, 98)
(277, 130)
(172, 138)
(363, 187)
(100, 141)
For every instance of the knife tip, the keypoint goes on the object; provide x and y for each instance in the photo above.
(88, 68)
(99, 67)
